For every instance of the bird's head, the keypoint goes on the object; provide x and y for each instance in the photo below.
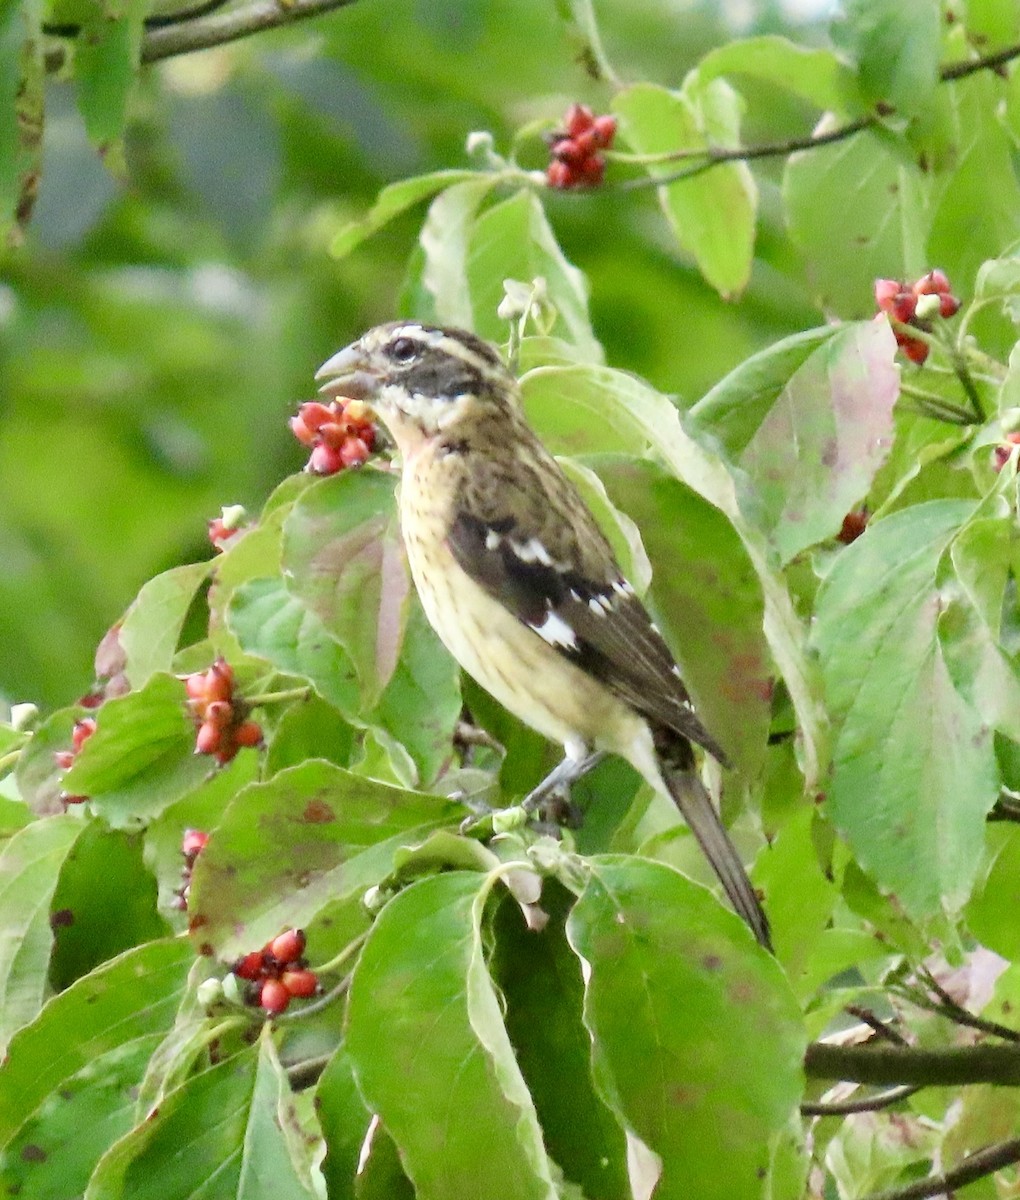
(422, 381)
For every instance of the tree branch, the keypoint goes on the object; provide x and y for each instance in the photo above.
(843, 1108)
(714, 155)
(979, 1164)
(222, 27)
(887, 1065)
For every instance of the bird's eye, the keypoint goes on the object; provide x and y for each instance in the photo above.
(403, 350)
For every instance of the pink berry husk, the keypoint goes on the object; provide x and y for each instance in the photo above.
(916, 350)
(248, 734)
(82, 731)
(314, 415)
(559, 175)
(250, 966)
(935, 283)
(64, 759)
(579, 117)
(193, 842)
(354, 452)
(949, 305)
(604, 129)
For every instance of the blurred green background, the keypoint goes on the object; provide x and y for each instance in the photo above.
(160, 325)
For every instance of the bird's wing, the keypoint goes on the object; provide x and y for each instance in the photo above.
(592, 617)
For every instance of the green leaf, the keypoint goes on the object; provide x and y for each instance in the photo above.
(105, 903)
(394, 199)
(57, 1147)
(343, 558)
(152, 626)
(445, 241)
(29, 868)
(707, 601)
(136, 996)
(712, 213)
(998, 281)
(914, 769)
(22, 76)
(431, 1054)
(271, 623)
(142, 755)
(345, 1123)
(826, 433)
(106, 60)
(667, 968)
(331, 833)
(991, 913)
(540, 979)
(816, 75)
(421, 704)
(858, 212)
(514, 240)
(223, 1125)
(983, 191)
(39, 779)
(896, 47)
(310, 729)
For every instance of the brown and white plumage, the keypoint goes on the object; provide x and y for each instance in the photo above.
(517, 578)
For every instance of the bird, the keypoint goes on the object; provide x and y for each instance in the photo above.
(518, 580)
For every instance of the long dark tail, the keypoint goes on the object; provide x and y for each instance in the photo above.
(699, 813)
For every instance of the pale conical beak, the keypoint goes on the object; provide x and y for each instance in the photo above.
(347, 374)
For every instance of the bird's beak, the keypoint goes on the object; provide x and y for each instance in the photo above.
(348, 374)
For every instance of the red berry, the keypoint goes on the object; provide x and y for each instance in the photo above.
(274, 997)
(220, 680)
(885, 292)
(219, 713)
(325, 460)
(250, 966)
(73, 799)
(218, 532)
(935, 283)
(354, 452)
(333, 433)
(579, 118)
(196, 686)
(248, 733)
(193, 841)
(208, 739)
(83, 730)
(300, 983)
(314, 415)
(289, 946)
(949, 306)
(301, 431)
(604, 129)
(559, 175)
(64, 759)
(915, 350)
(592, 170)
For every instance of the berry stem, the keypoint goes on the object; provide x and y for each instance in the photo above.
(260, 701)
(345, 954)
(309, 1010)
(9, 759)
(937, 407)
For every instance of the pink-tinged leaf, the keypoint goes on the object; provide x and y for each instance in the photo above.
(343, 557)
(811, 443)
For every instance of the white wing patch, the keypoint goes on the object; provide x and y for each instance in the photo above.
(556, 632)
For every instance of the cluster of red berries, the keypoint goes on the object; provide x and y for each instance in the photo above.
(909, 306)
(277, 972)
(340, 434)
(576, 161)
(1002, 452)
(192, 845)
(223, 724)
(64, 759)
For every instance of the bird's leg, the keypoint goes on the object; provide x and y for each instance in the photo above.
(576, 762)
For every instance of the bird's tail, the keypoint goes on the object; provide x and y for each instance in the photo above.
(694, 803)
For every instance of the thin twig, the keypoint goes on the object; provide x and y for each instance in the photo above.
(843, 1108)
(977, 1166)
(71, 29)
(948, 1007)
(220, 28)
(877, 1024)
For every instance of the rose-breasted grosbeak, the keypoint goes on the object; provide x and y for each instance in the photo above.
(517, 578)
